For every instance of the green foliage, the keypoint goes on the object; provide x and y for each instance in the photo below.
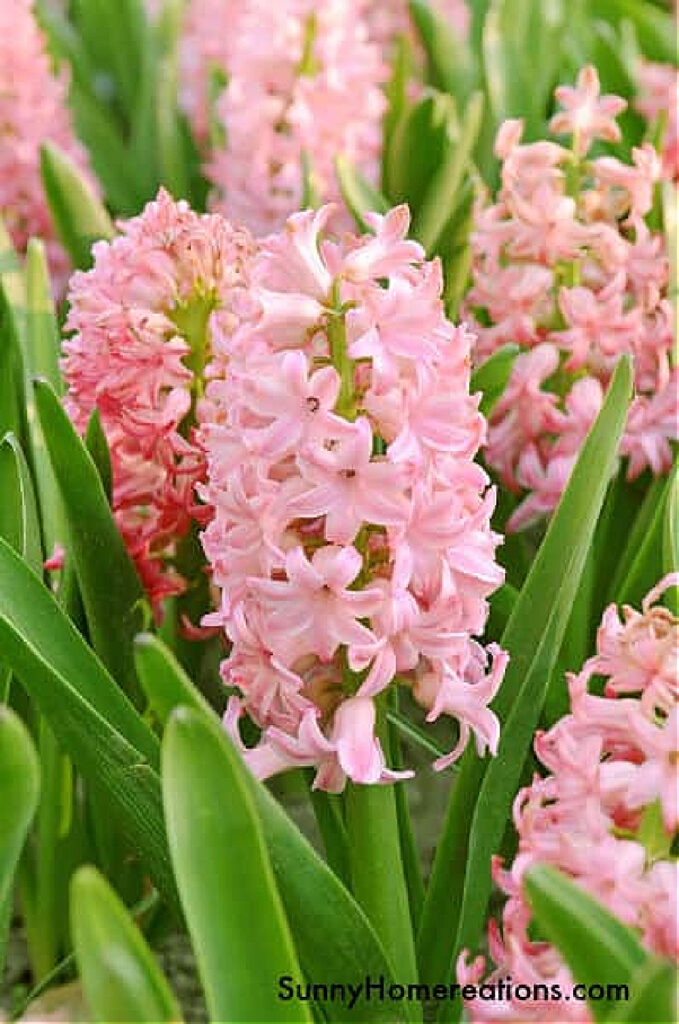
(78, 217)
(19, 785)
(120, 976)
(600, 950)
(232, 906)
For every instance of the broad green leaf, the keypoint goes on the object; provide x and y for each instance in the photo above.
(79, 218)
(443, 193)
(120, 975)
(44, 645)
(490, 378)
(358, 194)
(109, 585)
(232, 906)
(315, 900)
(90, 717)
(598, 948)
(484, 790)
(652, 995)
(19, 785)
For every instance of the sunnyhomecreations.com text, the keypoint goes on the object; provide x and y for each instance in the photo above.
(379, 989)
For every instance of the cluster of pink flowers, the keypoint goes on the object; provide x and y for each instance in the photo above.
(606, 814)
(658, 100)
(351, 536)
(566, 266)
(304, 85)
(32, 110)
(142, 319)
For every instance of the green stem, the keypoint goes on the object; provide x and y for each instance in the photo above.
(378, 878)
(409, 852)
(337, 336)
(327, 809)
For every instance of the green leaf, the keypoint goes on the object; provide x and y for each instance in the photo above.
(233, 909)
(40, 352)
(114, 34)
(358, 194)
(443, 193)
(450, 63)
(47, 652)
(19, 785)
(654, 28)
(644, 562)
(598, 948)
(79, 218)
(41, 355)
(484, 790)
(119, 176)
(109, 584)
(97, 446)
(653, 995)
(173, 159)
(19, 523)
(12, 326)
(491, 377)
(315, 900)
(396, 91)
(120, 975)
(164, 681)
(422, 140)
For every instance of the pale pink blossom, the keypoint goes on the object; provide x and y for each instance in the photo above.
(295, 72)
(612, 764)
(139, 326)
(566, 267)
(33, 110)
(587, 115)
(351, 539)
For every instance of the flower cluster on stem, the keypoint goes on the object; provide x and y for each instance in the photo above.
(141, 326)
(351, 537)
(566, 267)
(304, 85)
(33, 109)
(606, 812)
